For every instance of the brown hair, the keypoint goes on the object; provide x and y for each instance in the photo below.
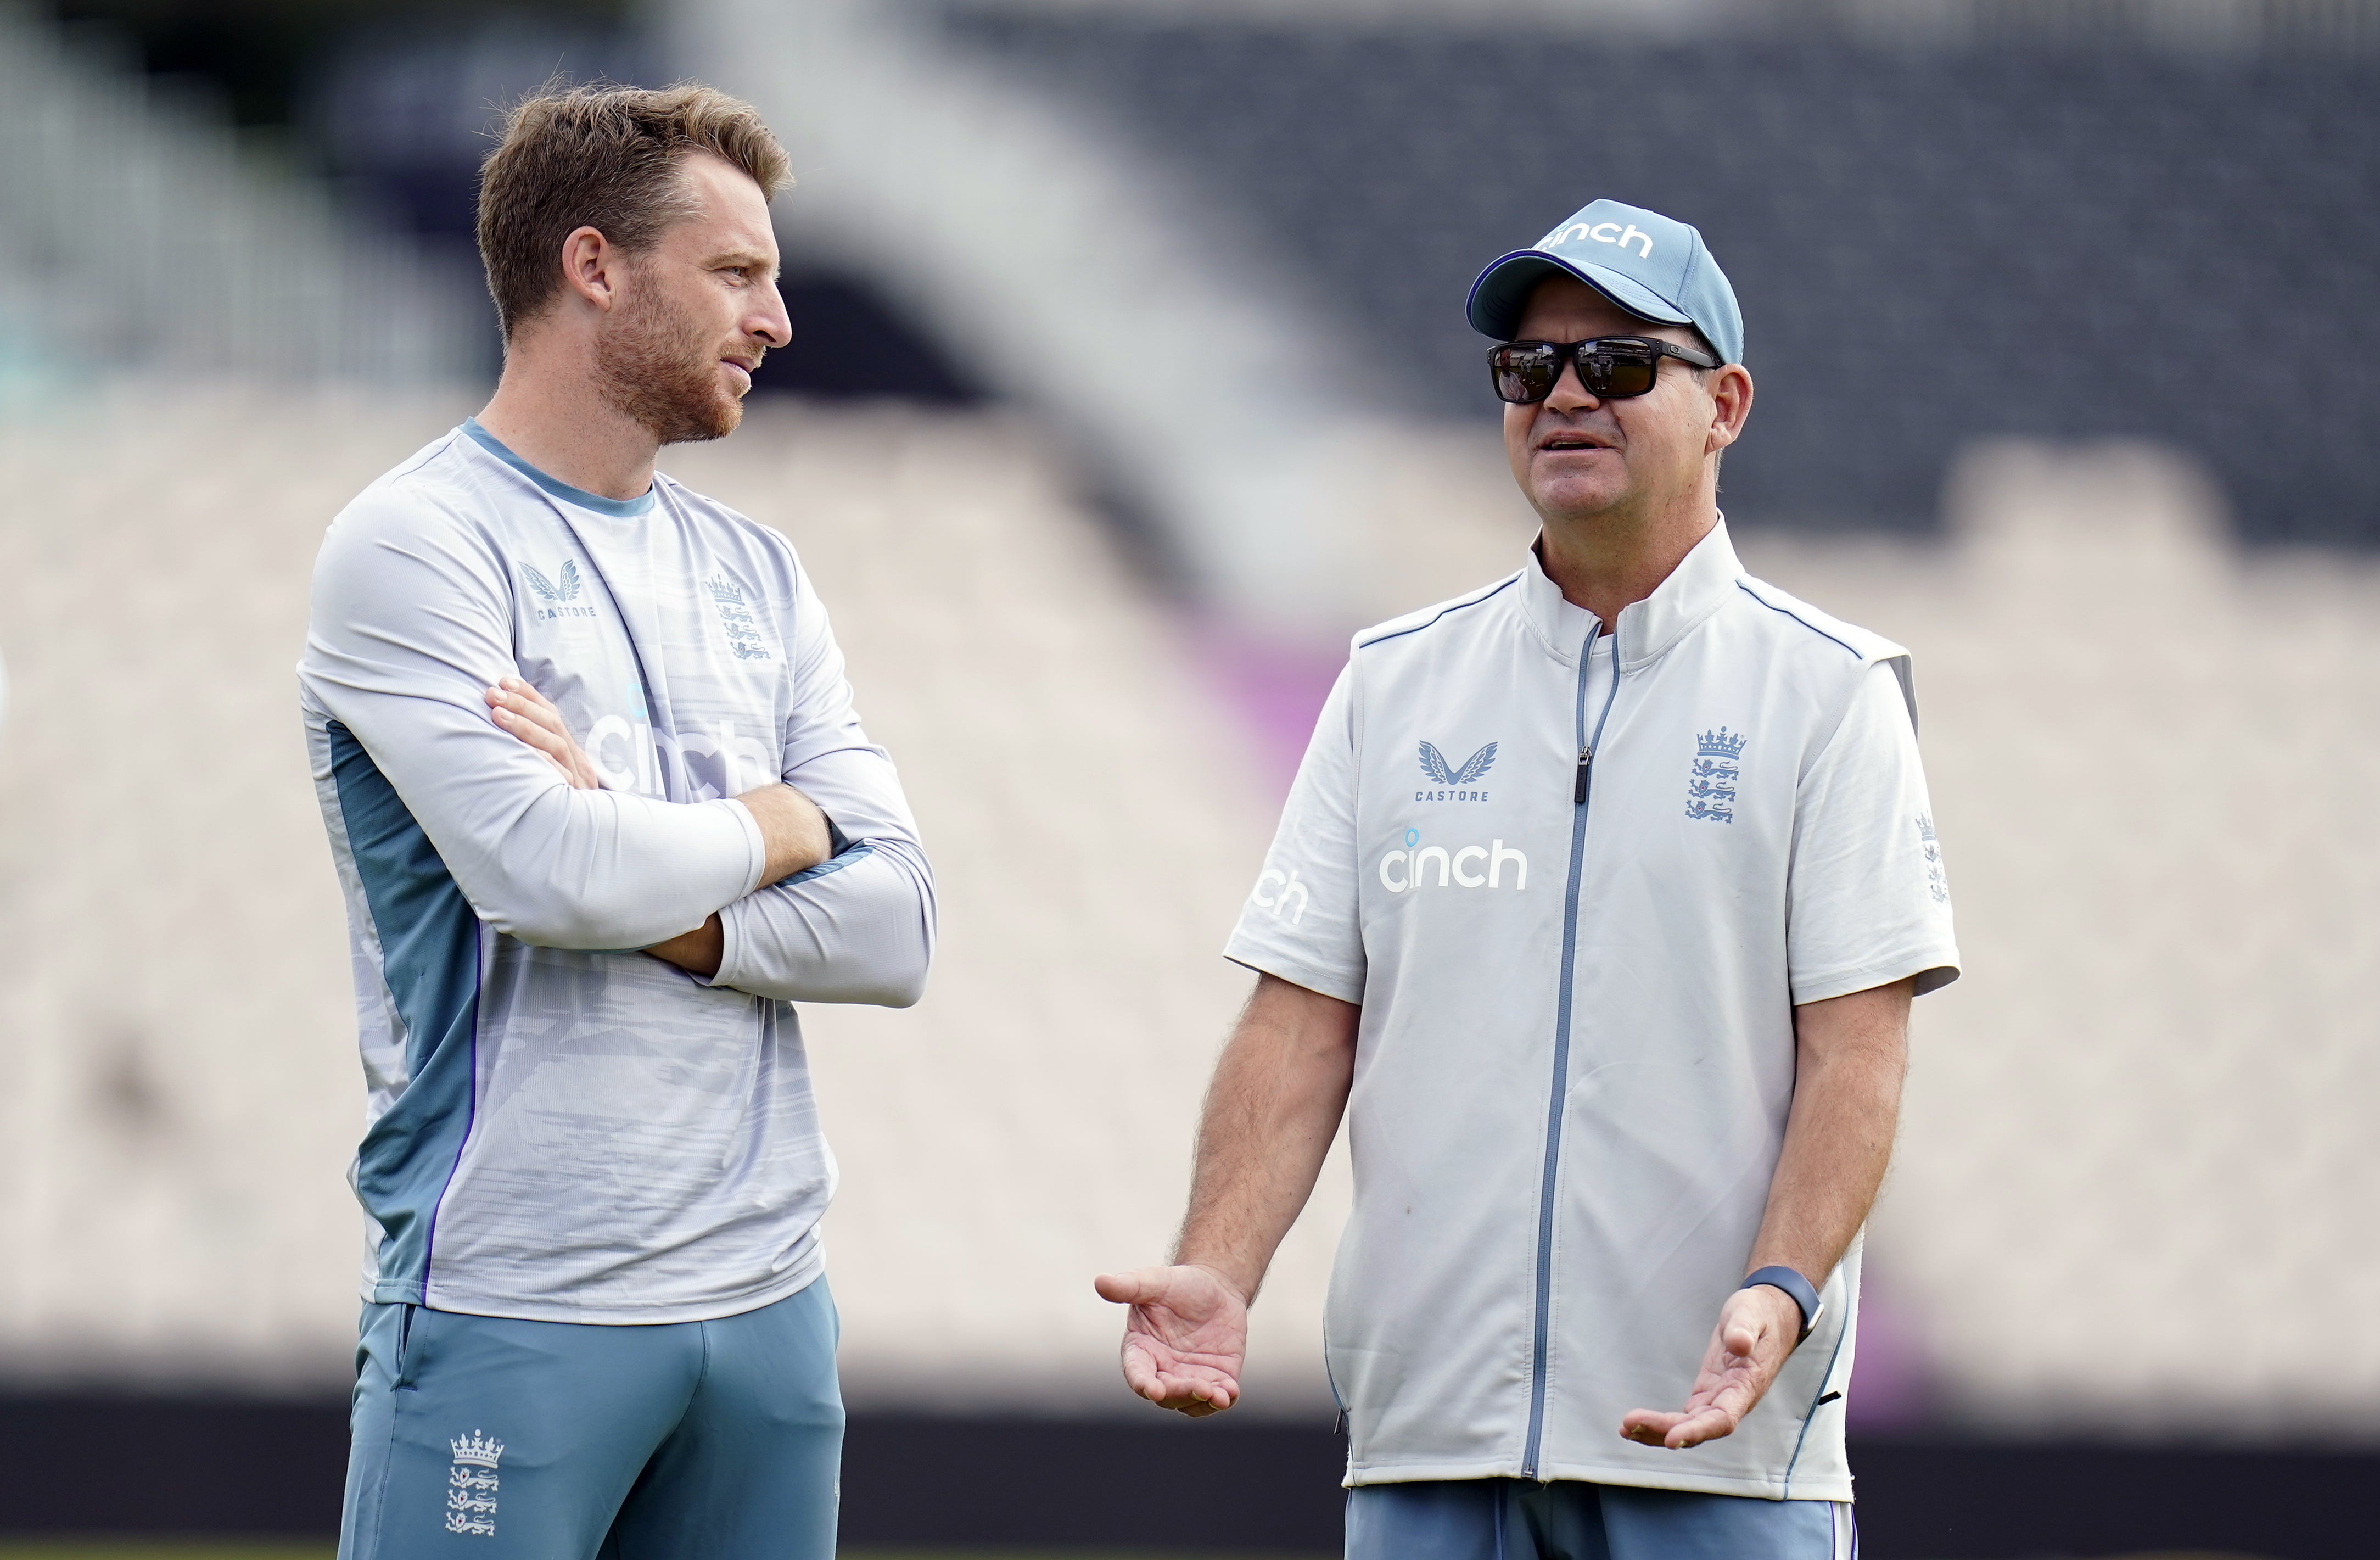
(605, 157)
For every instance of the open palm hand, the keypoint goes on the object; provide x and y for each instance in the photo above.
(1747, 1348)
(1185, 1338)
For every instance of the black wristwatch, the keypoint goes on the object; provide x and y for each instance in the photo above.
(1794, 1284)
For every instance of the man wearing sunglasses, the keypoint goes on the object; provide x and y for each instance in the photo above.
(1597, 910)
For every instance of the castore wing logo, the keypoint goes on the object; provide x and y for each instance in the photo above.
(565, 591)
(560, 596)
(1435, 767)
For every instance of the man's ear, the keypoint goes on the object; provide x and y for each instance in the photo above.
(590, 267)
(1731, 393)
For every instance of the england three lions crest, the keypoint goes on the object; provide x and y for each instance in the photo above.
(735, 619)
(1710, 785)
(471, 1484)
(1937, 883)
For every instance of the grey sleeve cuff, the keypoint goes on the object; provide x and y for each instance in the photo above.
(1296, 971)
(753, 842)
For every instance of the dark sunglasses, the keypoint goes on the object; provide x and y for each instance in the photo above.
(1612, 368)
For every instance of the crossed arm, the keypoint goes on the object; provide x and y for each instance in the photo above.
(859, 931)
(1279, 1091)
(411, 629)
(792, 828)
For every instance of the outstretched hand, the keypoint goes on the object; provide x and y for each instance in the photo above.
(1756, 1331)
(1186, 1337)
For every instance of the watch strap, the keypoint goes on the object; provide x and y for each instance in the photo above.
(1804, 1296)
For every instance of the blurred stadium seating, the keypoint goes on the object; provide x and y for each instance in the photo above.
(174, 991)
(2021, 233)
(2141, 1113)
(2127, 1135)
(2066, 382)
(2151, 1085)
(177, 1111)
(135, 232)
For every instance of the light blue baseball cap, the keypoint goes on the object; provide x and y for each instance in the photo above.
(1652, 267)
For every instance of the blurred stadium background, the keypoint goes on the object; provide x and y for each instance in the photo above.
(1130, 376)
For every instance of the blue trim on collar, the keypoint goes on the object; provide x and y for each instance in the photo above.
(1789, 612)
(1458, 606)
(618, 508)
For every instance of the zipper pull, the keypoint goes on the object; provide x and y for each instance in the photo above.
(1578, 790)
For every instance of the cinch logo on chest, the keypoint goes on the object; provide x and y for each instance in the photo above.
(1455, 780)
(1415, 867)
(560, 594)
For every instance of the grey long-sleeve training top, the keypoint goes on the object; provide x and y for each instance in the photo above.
(560, 1127)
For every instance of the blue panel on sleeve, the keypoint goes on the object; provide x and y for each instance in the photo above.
(429, 957)
(847, 856)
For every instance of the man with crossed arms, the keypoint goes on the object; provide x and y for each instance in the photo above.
(603, 812)
(1597, 910)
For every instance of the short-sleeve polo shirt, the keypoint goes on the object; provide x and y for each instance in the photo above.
(1578, 882)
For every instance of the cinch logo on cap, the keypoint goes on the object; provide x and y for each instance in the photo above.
(1649, 265)
(1600, 233)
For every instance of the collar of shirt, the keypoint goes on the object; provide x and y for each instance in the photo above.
(613, 508)
(1699, 586)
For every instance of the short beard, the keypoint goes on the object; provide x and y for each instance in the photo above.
(663, 372)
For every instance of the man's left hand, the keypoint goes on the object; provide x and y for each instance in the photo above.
(532, 716)
(1756, 1330)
